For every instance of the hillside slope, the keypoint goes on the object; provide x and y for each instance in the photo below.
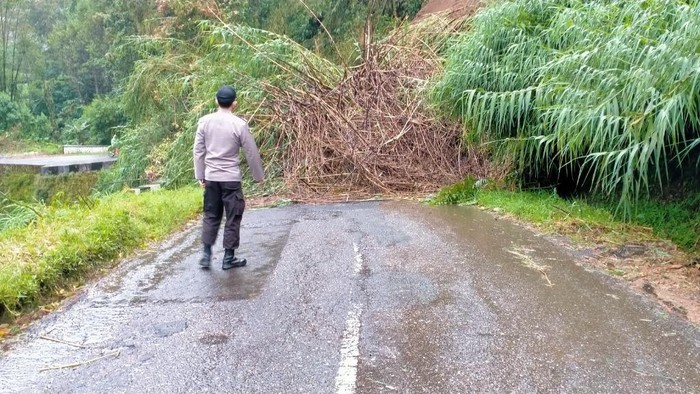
(454, 8)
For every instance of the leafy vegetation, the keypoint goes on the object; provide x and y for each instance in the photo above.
(602, 93)
(463, 192)
(83, 69)
(69, 240)
(169, 91)
(17, 214)
(59, 55)
(31, 187)
(677, 220)
(18, 185)
(590, 221)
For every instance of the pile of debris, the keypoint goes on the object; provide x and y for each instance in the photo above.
(373, 132)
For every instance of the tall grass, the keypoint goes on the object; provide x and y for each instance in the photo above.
(608, 90)
(68, 240)
(16, 215)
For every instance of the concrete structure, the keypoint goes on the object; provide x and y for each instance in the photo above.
(61, 164)
(84, 149)
(145, 188)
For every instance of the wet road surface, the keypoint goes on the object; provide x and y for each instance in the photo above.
(366, 298)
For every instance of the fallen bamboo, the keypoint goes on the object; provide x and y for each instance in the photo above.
(41, 336)
(371, 132)
(78, 364)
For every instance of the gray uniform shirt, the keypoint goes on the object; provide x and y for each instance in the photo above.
(220, 136)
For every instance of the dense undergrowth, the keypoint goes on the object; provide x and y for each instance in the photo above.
(602, 93)
(65, 241)
(170, 90)
(187, 60)
(30, 187)
(677, 220)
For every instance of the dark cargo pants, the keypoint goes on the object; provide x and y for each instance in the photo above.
(220, 197)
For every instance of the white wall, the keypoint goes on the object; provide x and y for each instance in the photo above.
(77, 149)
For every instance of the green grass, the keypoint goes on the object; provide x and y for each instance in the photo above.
(26, 186)
(587, 222)
(677, 221)
(10, 145)
(460, 193)
(18, 185)
(67, 242)
(546, 208)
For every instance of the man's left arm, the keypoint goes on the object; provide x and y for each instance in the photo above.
(199, 153)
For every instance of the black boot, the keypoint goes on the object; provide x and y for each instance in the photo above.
(205, 261)
(231, 261)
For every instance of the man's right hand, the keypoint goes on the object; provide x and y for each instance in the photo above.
(202, 183)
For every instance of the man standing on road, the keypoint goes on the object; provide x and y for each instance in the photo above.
(220, 136)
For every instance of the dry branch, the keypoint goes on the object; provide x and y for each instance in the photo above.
(61, 341)
(77, 364)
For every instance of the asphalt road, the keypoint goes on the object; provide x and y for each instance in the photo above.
(365, 298)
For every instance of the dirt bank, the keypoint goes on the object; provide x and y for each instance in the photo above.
(453, 8)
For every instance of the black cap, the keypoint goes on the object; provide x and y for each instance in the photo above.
(226, 95)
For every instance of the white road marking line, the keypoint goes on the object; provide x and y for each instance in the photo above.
(346, 380)
(359, 261)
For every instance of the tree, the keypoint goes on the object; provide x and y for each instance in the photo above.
(16, 40)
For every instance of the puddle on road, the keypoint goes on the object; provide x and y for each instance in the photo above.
(173, 275)
(106, 318)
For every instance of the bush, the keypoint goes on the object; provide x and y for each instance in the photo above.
(65, 188)
(103, 115)
(13, 215)
(36, 127)
(460, 193)
(10, 113)
(97, 124)
(16, 116)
